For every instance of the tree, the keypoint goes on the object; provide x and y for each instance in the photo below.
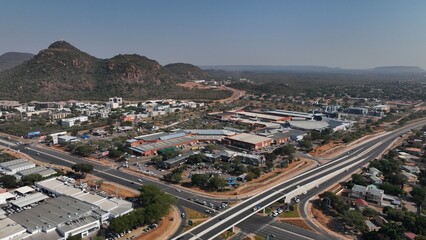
(84, 150)
(82, 168)
(216, 183)
(269, 164)
(306, 144)
(285, 150)
(113, 153)
(199, 180)
(355, 219)
(196, 158)
(8, 181)
(126, 123)
(359, 179)
(369, 212)
(269, 157)
(284, 163)
(419, 195)
(30, 179)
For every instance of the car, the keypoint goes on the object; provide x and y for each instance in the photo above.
(208, 211)
(178, 190)
(305, 192)
(183, 215)
(140, 180)
(272, 236)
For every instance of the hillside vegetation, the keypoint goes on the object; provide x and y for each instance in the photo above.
(63, 72)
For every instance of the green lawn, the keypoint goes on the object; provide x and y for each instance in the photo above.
(291, 214)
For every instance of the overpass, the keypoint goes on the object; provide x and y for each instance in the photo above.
(295, 186)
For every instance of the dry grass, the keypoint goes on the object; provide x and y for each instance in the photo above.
(194, 215)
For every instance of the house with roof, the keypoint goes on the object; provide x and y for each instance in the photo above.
(360, 203)
(370, 193)
(374, 171)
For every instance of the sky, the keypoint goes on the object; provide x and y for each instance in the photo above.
(335, 33)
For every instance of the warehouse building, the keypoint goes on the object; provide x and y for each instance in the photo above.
(58, 218)
(249, 141)
(40, 170)
(112, 207)
(14, 166)
(151, 149)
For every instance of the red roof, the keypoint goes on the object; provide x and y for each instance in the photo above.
(410, 235)
(361, 202)
(417, 150)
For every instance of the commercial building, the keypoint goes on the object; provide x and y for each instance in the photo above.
(14, 166)
(308, 125)
(150, 149)
(249, 141)
(67, 139)
(370, 193)
(174, 162)
(112, 207)
(69, 122)
(58, 218)
(40, 170)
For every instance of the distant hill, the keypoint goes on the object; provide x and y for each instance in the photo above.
(307, 69)
(63, 72)
(400, 69)
(12, 59)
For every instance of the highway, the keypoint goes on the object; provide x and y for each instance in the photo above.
(51, 156)
(355, 158)
(242, 213)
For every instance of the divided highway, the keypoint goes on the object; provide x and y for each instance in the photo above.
(356, 157)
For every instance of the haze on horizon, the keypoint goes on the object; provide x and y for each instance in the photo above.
(346, 34)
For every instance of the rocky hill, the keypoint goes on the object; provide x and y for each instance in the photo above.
(63, 72)
(12, 59)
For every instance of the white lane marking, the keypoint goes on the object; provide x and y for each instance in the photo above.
(293, 233)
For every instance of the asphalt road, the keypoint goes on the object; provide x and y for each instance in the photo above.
(265, 226)
(360, 155)
(51, 156)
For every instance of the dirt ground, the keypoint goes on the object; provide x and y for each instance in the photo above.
(235, 92)
(165, 229)
(320, 150)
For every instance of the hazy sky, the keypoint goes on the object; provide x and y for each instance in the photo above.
(336, 33)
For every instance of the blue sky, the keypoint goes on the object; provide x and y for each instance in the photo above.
(336, 33)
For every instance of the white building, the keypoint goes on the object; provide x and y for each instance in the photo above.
(69, 122)
(14, 166)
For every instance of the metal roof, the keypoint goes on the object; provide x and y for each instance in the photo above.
(249, 138)
(29, 199)
(51, 213)
(163, 144)
(308, 125)
(13, 162)
(290, 113)
(24, 190)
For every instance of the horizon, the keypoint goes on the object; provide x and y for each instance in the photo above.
(350, 35)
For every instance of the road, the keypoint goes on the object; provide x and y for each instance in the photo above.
(355, 158)
(51, 156)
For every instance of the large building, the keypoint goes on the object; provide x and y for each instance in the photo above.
(112, 207)
(249, 141)
(14, 166)
(58, 218)
(69, 122)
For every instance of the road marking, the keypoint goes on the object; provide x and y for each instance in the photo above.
(296, 234)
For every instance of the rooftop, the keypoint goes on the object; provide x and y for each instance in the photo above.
(51, 213)
(24, 190)
(29, 199)
(163, 144)
(308, 125)
(249, 138)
